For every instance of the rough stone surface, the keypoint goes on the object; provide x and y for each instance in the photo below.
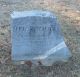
(36, 36)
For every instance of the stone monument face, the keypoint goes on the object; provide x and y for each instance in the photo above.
(36, 36)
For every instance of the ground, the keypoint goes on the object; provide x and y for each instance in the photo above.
(68, 14)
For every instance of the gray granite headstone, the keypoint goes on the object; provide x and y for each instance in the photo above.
(36, 36)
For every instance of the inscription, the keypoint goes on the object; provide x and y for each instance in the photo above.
(33, 31)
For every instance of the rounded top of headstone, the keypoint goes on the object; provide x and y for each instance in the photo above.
(17, 14)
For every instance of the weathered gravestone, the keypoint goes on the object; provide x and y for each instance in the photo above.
(36, 36)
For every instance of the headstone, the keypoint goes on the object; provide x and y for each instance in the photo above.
(36, 36)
